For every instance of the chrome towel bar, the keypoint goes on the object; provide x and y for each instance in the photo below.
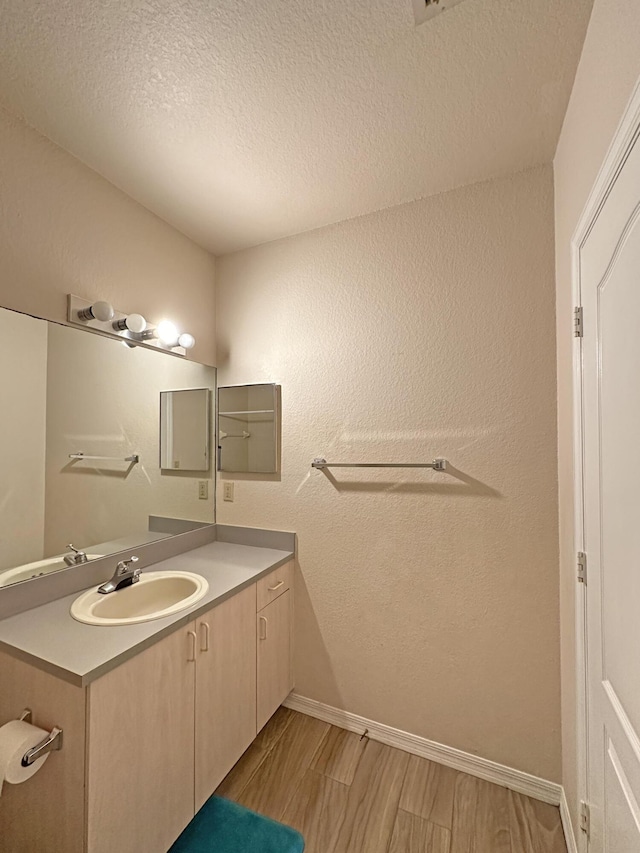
(437, 464)
(133, 458)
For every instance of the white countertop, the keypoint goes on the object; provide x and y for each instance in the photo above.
(49, 638)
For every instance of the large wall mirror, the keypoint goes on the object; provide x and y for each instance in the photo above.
(80, 446)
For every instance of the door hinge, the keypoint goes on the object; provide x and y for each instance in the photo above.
(582, 567)
(578, 322)
(585, 818)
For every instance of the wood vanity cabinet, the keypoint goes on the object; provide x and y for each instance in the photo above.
(147, 743)
(46, 813)
(274, 627)
(168, 725)
(140, 749)
(225, 706)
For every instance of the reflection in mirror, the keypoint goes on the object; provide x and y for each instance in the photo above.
(248, 428)
(184, 430)
(80, 447)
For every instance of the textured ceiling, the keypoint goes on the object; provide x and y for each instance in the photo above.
(240, 121)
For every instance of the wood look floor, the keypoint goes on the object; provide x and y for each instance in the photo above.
(351, 795)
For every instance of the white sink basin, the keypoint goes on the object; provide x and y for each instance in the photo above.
(36, 570)
(155, 595)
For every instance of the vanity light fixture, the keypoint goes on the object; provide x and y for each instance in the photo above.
(132, 329)
(168, 336)
(133, 323)
(101, 311)
(167, 333)
(149, 334)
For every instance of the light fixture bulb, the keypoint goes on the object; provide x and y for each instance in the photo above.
(186, 340)
(101, 311)
(167, 333)
(133, 322)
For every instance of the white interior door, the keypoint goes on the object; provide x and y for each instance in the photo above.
(610, 292)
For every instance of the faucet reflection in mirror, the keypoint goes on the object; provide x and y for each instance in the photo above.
(111, 495)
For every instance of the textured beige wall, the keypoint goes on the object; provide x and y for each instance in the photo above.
(22, 442)
(607, 73)
(427, 601)
(64, 229)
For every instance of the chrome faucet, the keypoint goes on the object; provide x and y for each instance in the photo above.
(123, 576)
(77, 558)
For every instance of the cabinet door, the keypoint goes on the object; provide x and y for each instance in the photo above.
(140, 763)
(225, 689)
(274, 657)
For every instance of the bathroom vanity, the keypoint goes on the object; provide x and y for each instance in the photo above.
(155, 714)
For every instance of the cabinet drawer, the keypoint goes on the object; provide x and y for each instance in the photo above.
(274, 584)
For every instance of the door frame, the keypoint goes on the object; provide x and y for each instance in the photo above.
(626, 135)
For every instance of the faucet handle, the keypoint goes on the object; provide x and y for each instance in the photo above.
(123, 565)
(123, 576)
(74, 549)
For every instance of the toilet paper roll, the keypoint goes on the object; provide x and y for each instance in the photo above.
(16, 738)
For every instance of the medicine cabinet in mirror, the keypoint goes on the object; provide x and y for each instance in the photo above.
(80, 446)
(184, 430)
(248, 428)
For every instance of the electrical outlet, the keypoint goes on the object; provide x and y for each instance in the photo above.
(227, 491)
(203, 490)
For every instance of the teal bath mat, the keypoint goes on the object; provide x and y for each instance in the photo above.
(222, 826)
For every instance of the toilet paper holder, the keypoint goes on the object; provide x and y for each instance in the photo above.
(52, 742)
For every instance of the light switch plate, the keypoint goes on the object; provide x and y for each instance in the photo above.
(203, 490)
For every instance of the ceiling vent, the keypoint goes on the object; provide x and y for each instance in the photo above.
(425, 9)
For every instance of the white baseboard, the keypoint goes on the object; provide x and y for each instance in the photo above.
(499, 774)
(569, 836)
